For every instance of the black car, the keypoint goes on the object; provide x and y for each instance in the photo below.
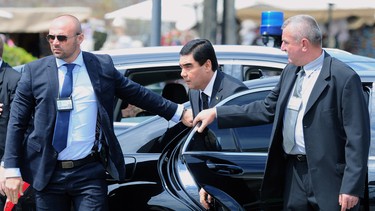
(166, 163)
(167, 171)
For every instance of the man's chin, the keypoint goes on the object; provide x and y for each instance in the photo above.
(57, 54)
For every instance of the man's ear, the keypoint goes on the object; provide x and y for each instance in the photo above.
(208, 64)
(305, 44)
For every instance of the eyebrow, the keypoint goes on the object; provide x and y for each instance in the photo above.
(186, 64)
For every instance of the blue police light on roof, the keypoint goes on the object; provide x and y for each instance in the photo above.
(271, 23)
(270, 28)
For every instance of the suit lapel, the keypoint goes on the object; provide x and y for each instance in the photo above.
(52, 76)
(194, 99)
(321, 83)
(93, 68)
(216, 95)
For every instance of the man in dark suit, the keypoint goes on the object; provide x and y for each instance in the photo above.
(8, 84)
(325, 166)
(60, 156)
(202, 74)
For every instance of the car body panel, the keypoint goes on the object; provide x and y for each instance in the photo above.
(180, 171)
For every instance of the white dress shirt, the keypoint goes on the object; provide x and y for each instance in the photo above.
(82, 122)
(312, 71)
(209, 87)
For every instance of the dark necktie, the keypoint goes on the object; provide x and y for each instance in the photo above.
(62, 120)
(291, 116)
(204, 100)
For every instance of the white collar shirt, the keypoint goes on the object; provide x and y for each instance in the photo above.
(312, 71)
(82, 122)
(210, 86)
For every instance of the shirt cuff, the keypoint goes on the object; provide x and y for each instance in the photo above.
(177, 116)
(12, 172)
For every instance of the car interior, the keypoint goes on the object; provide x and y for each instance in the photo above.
(254, 72)
(165, 81)
(175, 92)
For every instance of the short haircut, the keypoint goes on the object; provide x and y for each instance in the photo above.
(202, 50)
(304, 26)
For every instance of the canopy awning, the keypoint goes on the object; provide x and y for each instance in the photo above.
(36, 19)
(364, 10)
(183, 13)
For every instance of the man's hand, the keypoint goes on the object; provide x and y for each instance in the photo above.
(205, 198)
(206, 117)
(347, 201)
(2, 181)
(1, 108)
(187, 118)
(13, 187)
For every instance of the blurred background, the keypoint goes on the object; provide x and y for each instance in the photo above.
(110, 24)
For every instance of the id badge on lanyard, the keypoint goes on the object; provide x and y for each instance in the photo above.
(295, 103)
(64, 104)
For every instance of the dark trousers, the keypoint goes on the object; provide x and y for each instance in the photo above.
(299, 194)
(81, 188)
(2, 201)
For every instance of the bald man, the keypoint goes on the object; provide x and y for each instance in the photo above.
(67, 95)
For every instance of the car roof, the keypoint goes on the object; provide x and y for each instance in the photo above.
(357, 62)
(171, 53)
(158, 54)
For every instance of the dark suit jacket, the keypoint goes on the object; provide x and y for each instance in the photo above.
(336, 130)
(8, 84)
(37, 92)
(224, 86)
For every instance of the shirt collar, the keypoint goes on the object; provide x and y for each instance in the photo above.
(314, 65)
(78, 61)
(210, 85)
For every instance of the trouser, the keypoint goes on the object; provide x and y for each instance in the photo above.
(299, 194)
(81, 188)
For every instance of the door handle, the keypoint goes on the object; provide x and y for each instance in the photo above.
(224, 168)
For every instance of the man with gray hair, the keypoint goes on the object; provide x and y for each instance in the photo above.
(319, 147)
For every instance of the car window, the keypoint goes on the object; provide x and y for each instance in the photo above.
(163, 80)
(243, 139)
(254, 72)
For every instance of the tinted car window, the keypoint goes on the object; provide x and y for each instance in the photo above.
(254, 138)
(244, 139)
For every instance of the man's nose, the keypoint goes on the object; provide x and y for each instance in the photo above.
(183, 73)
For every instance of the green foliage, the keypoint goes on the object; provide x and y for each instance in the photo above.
(16, 56)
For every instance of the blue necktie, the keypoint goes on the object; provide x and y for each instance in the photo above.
(62, 120)
(291, 116)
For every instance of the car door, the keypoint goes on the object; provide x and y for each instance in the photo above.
(229, 163)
